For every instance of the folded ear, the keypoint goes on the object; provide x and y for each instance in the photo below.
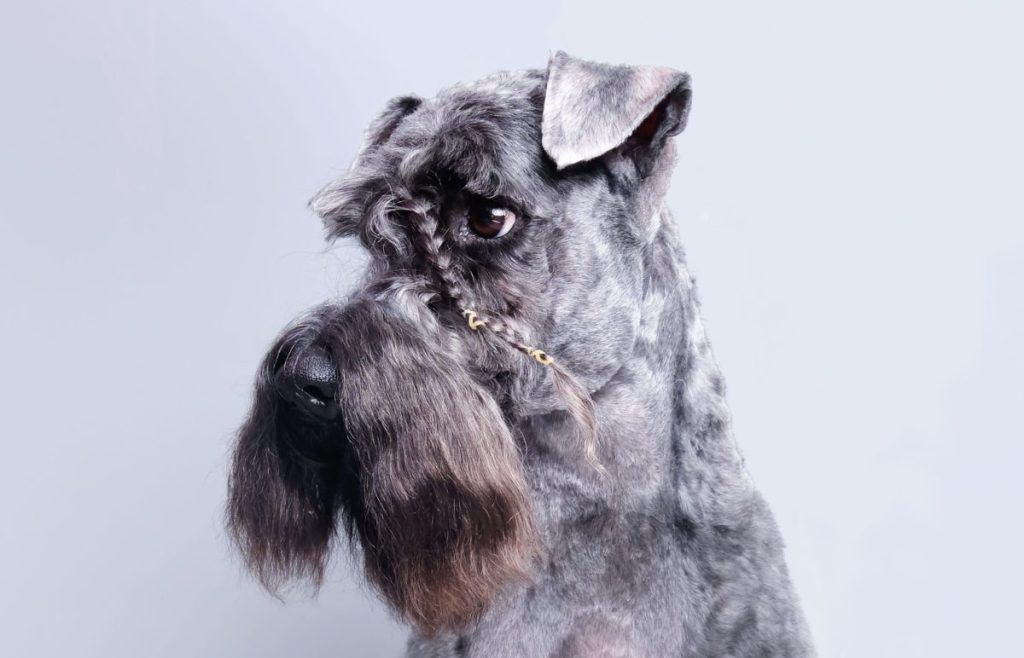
(592, 108)
(344, 202)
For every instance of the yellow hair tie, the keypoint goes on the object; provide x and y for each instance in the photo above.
(540, 356)
(471, 320)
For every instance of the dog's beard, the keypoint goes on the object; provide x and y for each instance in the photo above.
(422, 467)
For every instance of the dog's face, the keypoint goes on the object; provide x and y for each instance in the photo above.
(503, 217)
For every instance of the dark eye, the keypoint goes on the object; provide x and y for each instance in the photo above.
(488, 220)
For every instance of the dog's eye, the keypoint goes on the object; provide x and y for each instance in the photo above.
(488, 220)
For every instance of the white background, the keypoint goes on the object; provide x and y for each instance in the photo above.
(849, 191)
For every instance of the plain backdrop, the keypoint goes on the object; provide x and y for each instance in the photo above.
(849, 191)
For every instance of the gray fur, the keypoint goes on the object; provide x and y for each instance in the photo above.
(454, 464)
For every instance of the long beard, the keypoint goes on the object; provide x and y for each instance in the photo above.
(423, 470)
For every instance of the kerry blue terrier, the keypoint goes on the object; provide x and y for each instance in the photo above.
(516, 418)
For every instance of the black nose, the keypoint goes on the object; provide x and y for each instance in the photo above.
(309, 379)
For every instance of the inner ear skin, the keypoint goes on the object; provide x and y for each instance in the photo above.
(645, 131)
(648, 141)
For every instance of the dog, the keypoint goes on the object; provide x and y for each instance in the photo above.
(517, 419)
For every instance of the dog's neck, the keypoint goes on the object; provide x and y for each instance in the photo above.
(664, 432)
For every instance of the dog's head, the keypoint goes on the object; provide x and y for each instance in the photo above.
(507, 222)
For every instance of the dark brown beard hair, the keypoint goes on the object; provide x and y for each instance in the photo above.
(447, 520)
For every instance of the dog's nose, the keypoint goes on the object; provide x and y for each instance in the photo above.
(309, 379)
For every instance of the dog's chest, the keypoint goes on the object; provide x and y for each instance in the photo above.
(609, 588)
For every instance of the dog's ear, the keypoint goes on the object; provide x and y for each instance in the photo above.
(381, 128)
(344, 202)
(592, 108)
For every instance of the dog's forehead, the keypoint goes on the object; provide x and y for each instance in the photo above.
(486, 133)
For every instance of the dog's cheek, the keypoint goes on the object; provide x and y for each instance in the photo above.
(445, 522)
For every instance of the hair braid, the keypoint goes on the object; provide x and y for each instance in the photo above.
(578, 402)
